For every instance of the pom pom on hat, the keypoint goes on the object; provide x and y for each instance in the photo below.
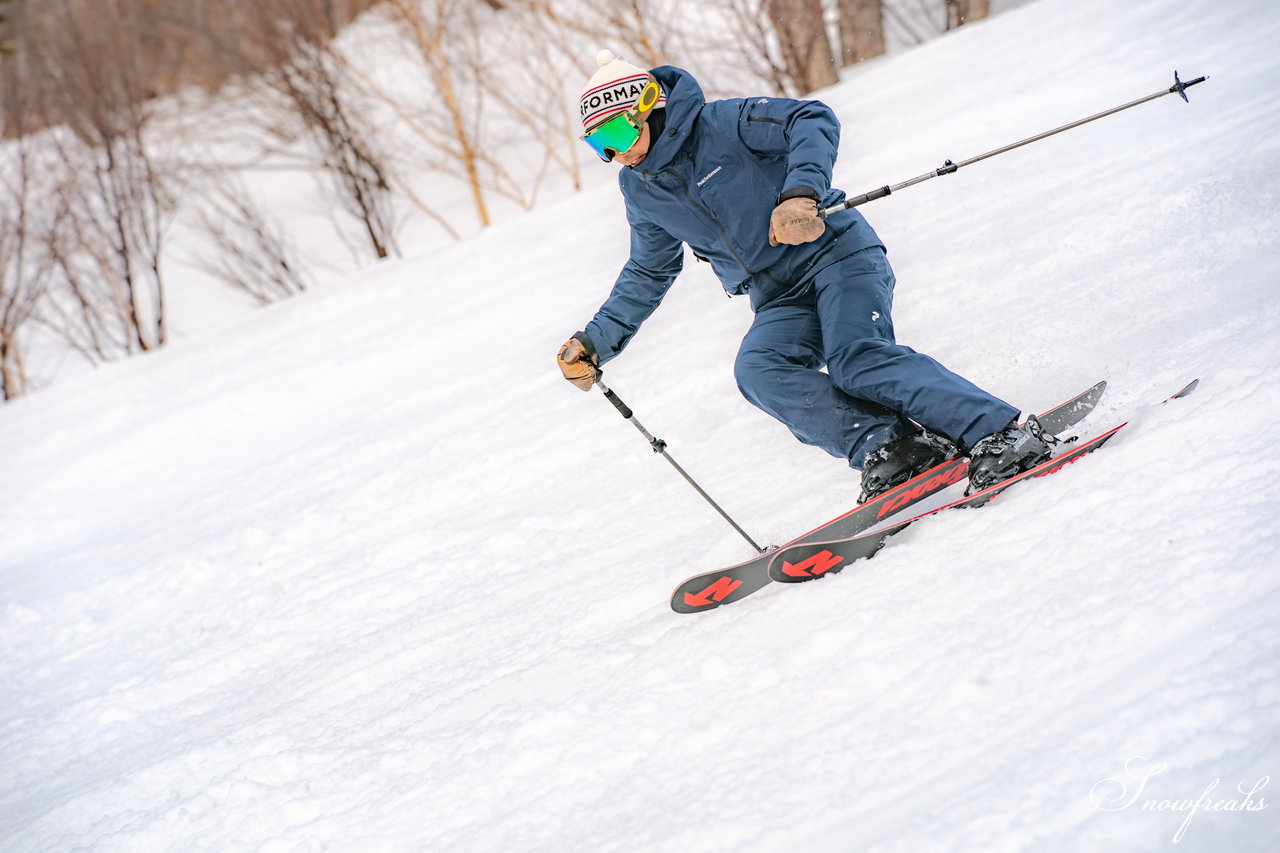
(614, 88)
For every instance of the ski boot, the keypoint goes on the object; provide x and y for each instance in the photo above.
(1011, 451)
(897, 461)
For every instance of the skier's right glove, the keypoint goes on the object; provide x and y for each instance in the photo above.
(795, 220)
(577, 360)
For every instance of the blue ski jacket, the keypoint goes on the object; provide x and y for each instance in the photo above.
(711, 179)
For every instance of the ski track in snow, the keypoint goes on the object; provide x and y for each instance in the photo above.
(365, 574)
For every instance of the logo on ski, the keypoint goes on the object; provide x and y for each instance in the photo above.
(814, 566)
(938, 481)
(717, 591)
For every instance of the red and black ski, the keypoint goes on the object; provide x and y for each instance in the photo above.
(709, 590)
(805, 561)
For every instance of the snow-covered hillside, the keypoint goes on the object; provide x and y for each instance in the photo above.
(365, 573)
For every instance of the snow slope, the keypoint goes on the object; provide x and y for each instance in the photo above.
(364, 573)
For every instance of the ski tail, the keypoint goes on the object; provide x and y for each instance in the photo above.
(1066, 415)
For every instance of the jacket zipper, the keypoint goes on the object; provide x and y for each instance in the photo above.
(715, 220)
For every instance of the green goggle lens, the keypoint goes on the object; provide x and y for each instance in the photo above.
(614, 136)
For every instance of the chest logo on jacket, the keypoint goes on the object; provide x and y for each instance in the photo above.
(709, 175)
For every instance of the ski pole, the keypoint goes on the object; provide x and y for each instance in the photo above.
(949, 167)
(660, 446)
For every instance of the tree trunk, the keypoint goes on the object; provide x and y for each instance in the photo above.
(806, 52)
(430, 41)
(963, 11)
(13, 375)
(861, 30)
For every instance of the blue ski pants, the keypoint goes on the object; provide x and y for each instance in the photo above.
(840, 318)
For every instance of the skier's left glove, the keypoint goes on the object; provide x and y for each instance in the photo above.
(577, 360)
(795, 220)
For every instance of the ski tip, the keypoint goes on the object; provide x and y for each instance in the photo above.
(1191, 386)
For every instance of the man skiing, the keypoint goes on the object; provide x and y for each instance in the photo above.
(741, 181)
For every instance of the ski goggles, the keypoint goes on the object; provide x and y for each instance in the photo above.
(616, 134)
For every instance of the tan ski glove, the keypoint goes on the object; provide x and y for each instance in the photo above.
(577, 364)
(795, 221)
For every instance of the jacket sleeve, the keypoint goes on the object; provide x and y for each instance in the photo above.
(806, 133)
(655, 261)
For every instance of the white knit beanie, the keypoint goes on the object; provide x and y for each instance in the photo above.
(614, 88)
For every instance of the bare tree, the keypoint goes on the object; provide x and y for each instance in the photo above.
(861, 30)
(21, 287)
(912, 22)
(284, 52)
(559, 50)
(495, 125)
(86, 305)
(803, 42)
(645, 25)
(23, 277)
(961, 12)
(113, 196)
(246, 250)
(916, 21)
(561, 39)
(432, 28)
(303, 67)
(525, 102)
(5, 15)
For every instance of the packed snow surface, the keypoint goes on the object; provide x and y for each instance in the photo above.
(364, 573)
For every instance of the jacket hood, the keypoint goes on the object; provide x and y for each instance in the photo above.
(684, 102)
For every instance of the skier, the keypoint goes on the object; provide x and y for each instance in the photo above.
(740, 181)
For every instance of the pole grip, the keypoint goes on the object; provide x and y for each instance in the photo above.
(855, 201)
(622, 407)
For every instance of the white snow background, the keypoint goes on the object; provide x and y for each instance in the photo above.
(364, 573)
